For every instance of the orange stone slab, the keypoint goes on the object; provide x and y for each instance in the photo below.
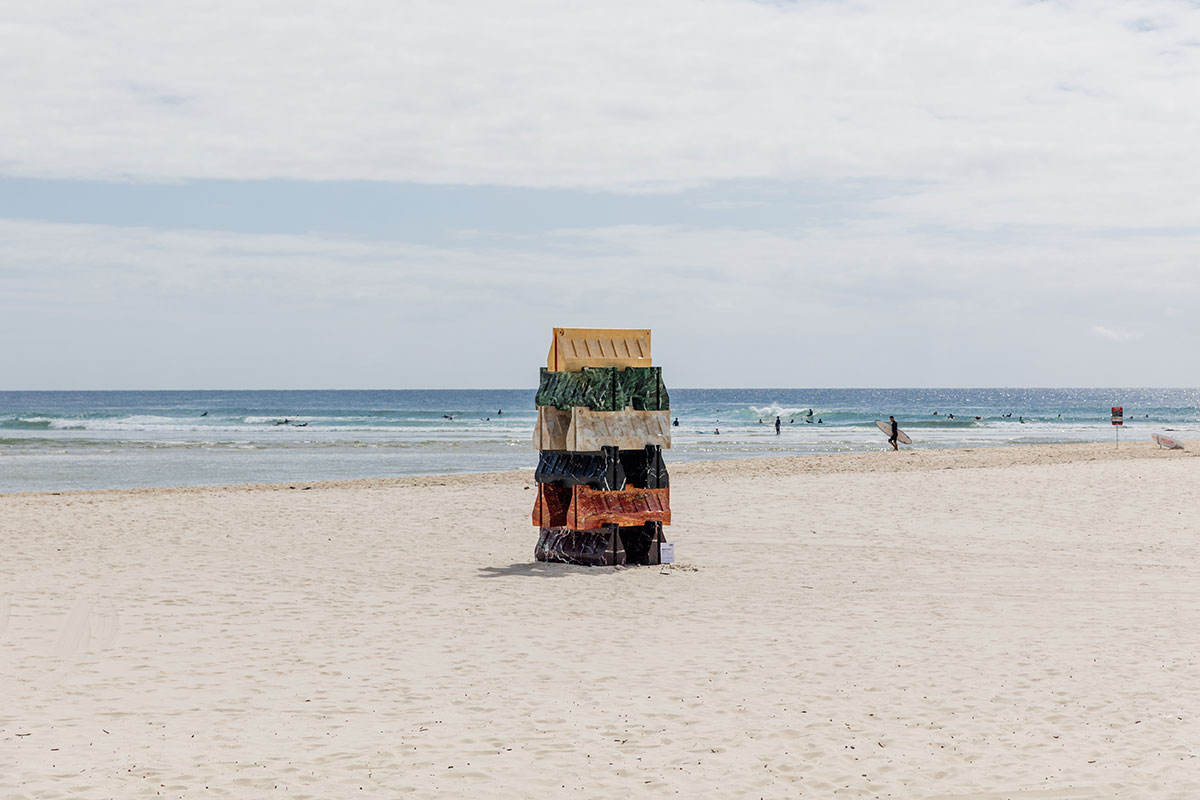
(552, 504)
(584, 508)
(591, 508)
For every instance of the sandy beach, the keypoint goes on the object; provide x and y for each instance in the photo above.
(1017, 622)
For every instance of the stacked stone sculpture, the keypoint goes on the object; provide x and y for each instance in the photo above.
(604, 417)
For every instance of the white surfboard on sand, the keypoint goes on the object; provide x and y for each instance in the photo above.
(1163, 440)
(886, 427)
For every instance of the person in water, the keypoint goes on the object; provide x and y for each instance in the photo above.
(894, 439)
(778, 424)
(676, 422)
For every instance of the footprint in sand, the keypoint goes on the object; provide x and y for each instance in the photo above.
(89, 629)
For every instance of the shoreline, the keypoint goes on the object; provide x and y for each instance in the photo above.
(906, 460)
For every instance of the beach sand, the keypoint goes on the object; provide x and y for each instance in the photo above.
(991, 623)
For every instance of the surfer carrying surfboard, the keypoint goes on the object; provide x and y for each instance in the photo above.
(896, 437)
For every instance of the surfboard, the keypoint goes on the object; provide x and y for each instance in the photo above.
(886, 427)
(1166, 441)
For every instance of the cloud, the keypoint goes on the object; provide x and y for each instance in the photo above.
(856, 304)
(1115, 334)
(1089, 118)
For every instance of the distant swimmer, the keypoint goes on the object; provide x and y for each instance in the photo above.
(760, 420)
(935, 413)
(893, 440)
(499, 411)
(951, 416)
(820, 421)
(205, 414)
(676, 422)
(448, 416)
(778, 425)
(717, 432)
(301, 424)
(284, 421)
(979, 418)
(792, 421)
(1021, 420)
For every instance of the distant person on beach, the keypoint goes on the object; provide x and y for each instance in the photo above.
(778, 425)
(676, 422)
(893, 440)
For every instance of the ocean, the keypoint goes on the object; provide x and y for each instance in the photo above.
(61, 441)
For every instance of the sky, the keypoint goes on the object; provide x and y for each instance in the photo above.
(413, 194)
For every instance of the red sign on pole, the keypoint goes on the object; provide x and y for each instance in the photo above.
(1118, 414)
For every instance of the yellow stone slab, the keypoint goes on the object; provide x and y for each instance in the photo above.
(582, 430)
(628, 429)
(550, 433)
(574, 348)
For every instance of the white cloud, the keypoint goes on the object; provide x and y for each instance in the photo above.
(995, 113)
(1115, 334)
(862, 304)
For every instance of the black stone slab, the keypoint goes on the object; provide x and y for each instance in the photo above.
(641, 543)
(603, 470)
(599, 548)
(645, 469)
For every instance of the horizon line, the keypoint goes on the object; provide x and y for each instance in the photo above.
(677, 388)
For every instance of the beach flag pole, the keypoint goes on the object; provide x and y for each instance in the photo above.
(1118, 415)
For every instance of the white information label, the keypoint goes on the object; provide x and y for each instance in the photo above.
(666, 552)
